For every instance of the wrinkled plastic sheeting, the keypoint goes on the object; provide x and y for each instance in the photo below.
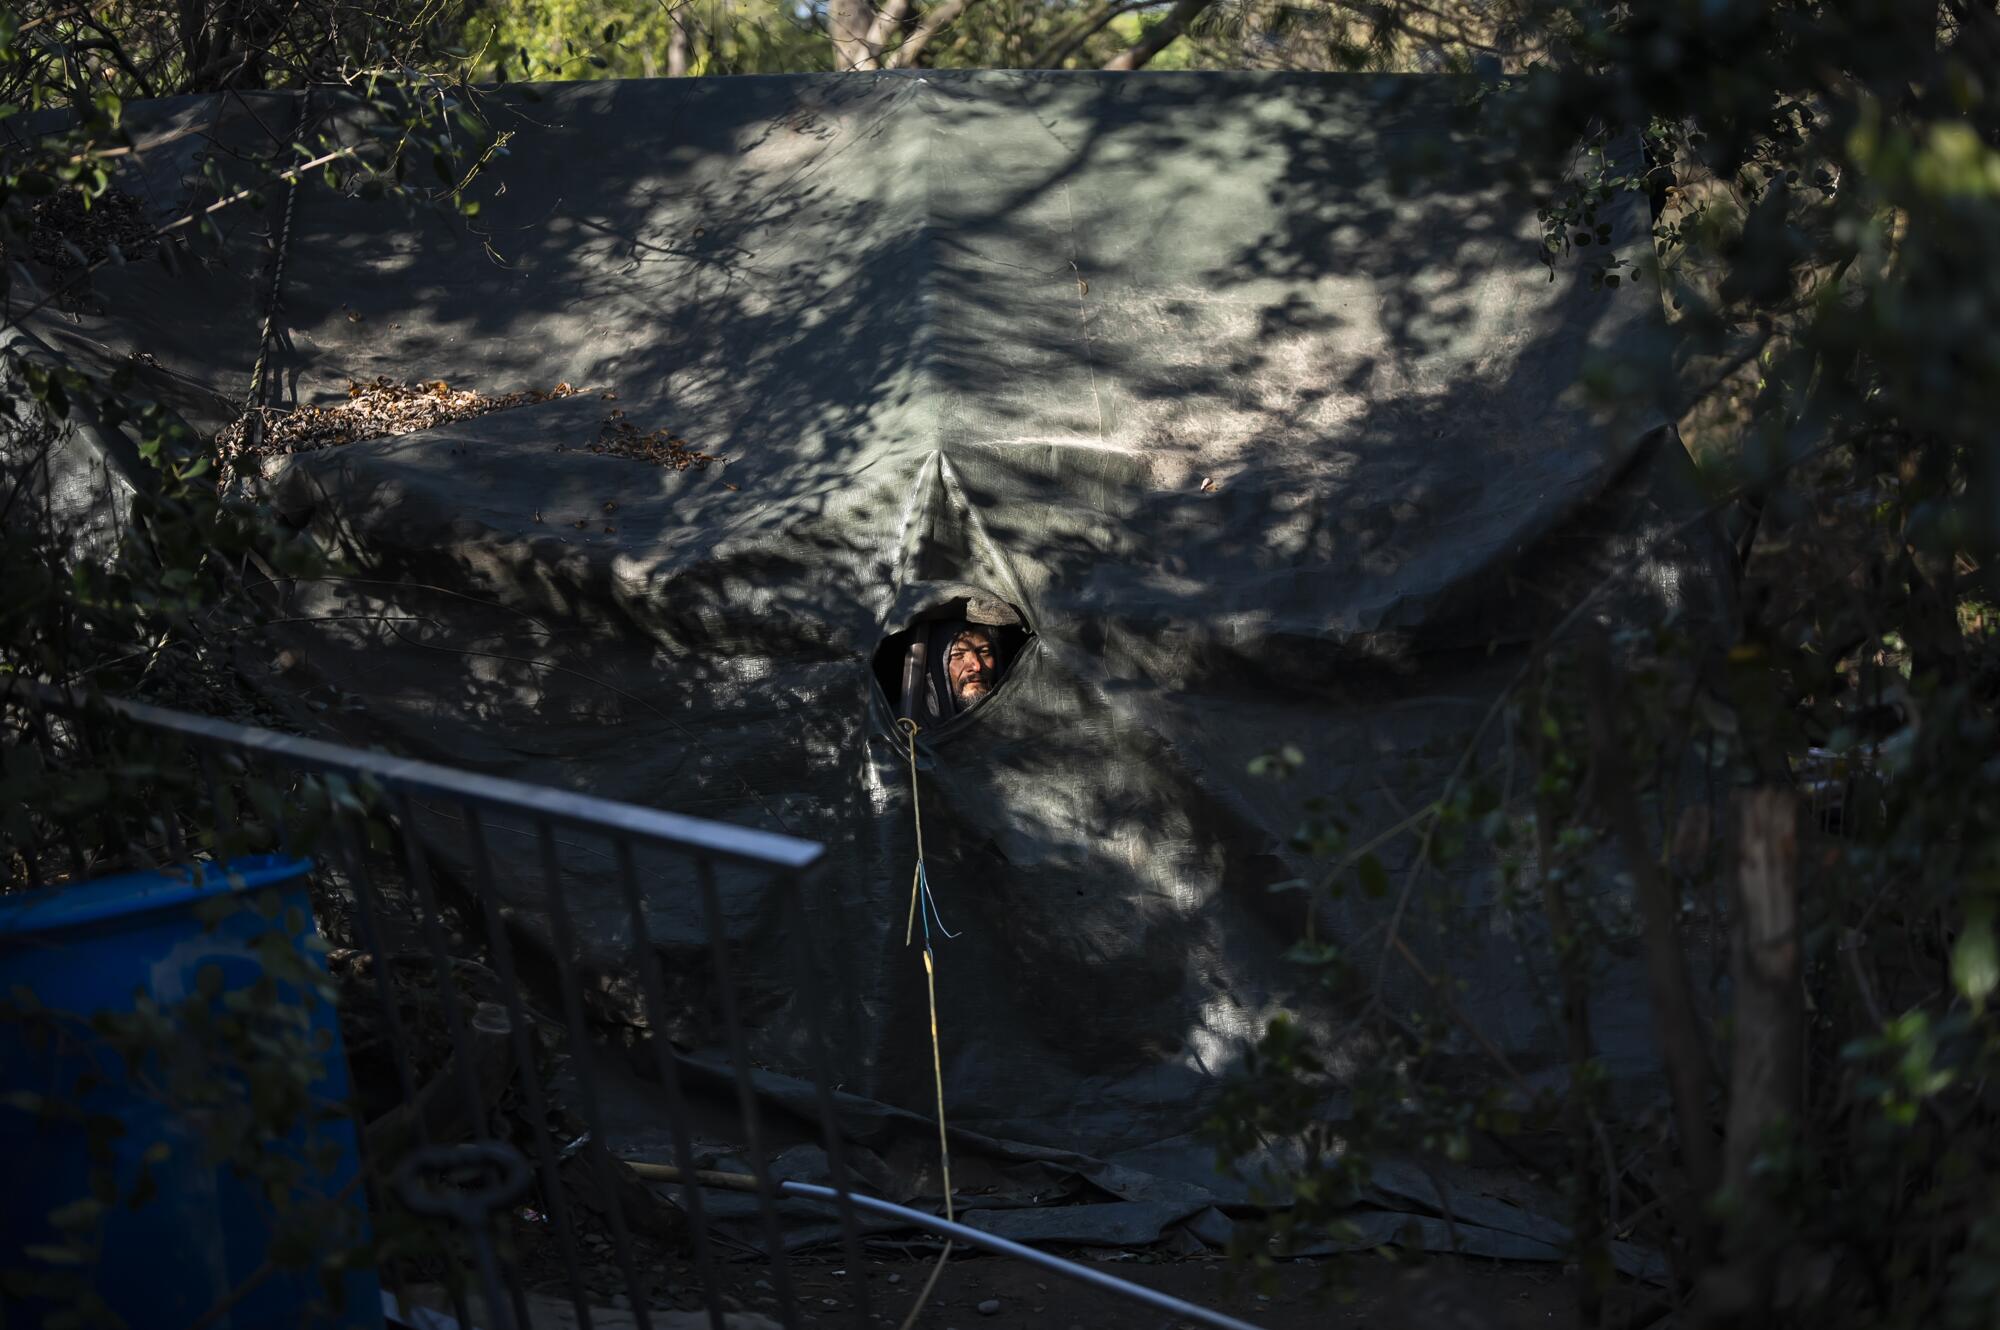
(1266, 447)
(1039, 1195)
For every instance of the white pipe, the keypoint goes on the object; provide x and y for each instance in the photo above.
(1008, 1247)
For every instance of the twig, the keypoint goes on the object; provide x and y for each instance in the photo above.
(907, 54)
(1158, 37)
(168, 228)
(1573, 975)
(1639, 559)
(1680, 1029)
(1850, 947)
(1437, 986)
(160, 645)
(1071, 39)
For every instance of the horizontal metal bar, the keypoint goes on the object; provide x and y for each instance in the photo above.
(973, 1237)
(690, 835)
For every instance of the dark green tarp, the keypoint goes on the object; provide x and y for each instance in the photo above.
(1265, 448)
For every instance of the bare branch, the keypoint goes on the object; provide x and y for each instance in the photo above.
(907, 55)
(1682, 1036)
(888, 18)
(1159, 36)
(185, 219)
(1066, 43)
(848, 23)
(1573, 970)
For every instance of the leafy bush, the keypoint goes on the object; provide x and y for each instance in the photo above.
(1822, 1147)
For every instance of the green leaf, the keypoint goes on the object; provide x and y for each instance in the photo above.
(1374, 877)
(1975, 964)
(1313, 953)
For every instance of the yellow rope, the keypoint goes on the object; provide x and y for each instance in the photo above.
(909, 729)
(937, 1075)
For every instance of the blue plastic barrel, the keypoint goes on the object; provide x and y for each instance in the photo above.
(182, 1233)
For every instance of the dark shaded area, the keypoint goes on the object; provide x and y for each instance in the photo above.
(1265, 451)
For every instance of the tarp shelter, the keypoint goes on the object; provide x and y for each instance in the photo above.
(1266, 445)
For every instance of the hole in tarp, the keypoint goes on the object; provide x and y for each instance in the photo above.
(951, 657)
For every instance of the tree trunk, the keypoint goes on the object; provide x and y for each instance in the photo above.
(1767, 1047)
(680, 44)
(1764, 964)
(1159, 35)
(847, 22)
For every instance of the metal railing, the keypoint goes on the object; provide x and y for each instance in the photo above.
(404, 850)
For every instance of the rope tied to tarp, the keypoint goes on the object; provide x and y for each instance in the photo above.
(253, 402)
(924, 903)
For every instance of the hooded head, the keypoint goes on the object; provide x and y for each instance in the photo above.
(964, 667)
(971, 664)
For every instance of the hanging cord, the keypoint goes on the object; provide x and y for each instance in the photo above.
(922, 901)
(253, 404)
(920, 881)
(917, 884)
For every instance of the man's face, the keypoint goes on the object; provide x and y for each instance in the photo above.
(971, 666)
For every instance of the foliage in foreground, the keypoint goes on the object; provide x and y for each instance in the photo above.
(1824, 1144)
(1827, 192)
(98, 597)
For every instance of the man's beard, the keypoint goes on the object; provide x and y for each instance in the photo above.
(972, 690)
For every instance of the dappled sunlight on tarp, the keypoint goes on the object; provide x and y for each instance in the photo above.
(1264, 449)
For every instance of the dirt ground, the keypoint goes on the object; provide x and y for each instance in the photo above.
(1377, 1293)
(978, 1292)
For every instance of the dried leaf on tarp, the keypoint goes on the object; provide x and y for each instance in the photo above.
(379, 410)
(619, 437)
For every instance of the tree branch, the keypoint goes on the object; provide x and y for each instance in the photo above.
(1066, 43)
(1573, 970)
(1159, 36)
(848, 24)
(907, 55)
(887, 19)
(112, 47)
(78, 275)
(1668, 991)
